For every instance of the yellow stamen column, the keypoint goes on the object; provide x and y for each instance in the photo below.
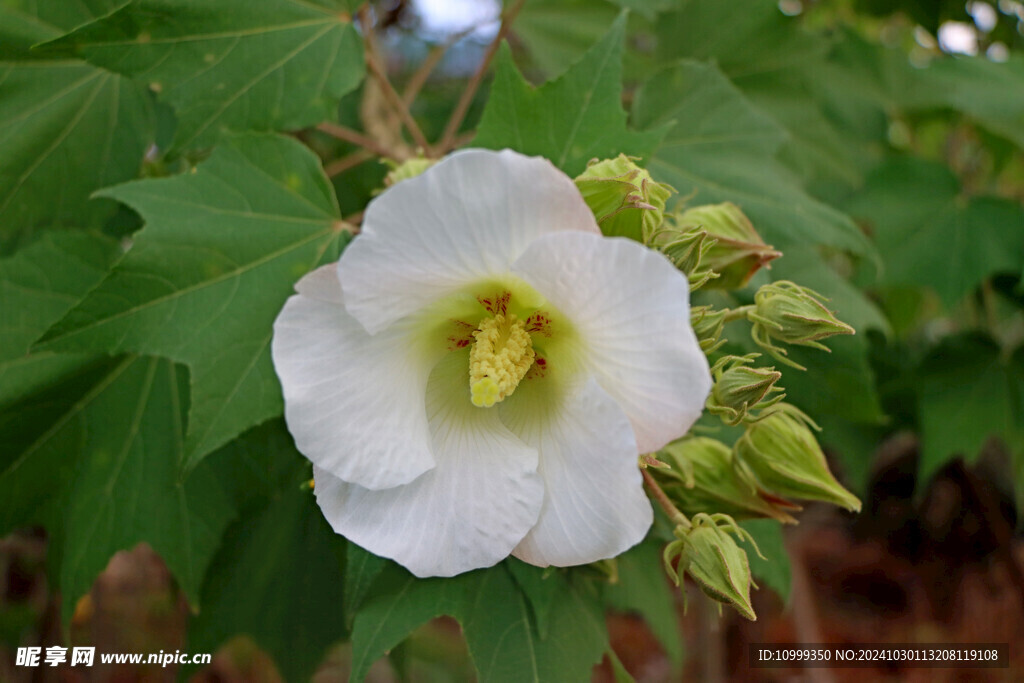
(499, 359)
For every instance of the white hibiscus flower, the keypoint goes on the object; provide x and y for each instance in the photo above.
(478, 373)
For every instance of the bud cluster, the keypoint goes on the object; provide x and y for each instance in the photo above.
(703, 484)
(777, 459)
(701, 475)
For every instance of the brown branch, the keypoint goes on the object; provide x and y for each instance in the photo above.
(355, 137)
(419, 77)
(390, 94)
(339, 166)
(463, 138)
(462, 106)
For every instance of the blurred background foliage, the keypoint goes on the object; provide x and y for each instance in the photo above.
(878, 144)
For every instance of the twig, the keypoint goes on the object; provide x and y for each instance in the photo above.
(339, 166)
(419, 77)
(355, 137)
(462, 106)
(393, 98)
(463, 138)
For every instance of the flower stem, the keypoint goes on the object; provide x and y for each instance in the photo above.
(738, 313)
(666, 504)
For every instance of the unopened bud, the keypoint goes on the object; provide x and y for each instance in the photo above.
(741, 391)
(624, 198)
(703, 477)
(783, 455)
(737, 251)
(717, 564)
(789, 313)
(686, 249)
(410, 168)
(708, 324)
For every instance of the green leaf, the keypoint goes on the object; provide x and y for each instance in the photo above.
(38, 285)
(258, 465)
(66, 127)
(405, 603)
(557, 33)
(41, 431)
(774, 571)
(818, 149)
(25, 24)
(97, 459)
(128, 488)
(503, 640)
(570, 120)
(644, 588)
(722, 148)
(928, 235)
(619, 672)
(648, 8)
(966, 395)
(990, 92)
(361, 569)
(538, 589)
(775, 62)
(744, 37)
(43, 281)
(231, 64)
(277, 578)
(206, 277)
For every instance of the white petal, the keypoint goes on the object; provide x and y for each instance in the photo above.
(354, 403)
(594, 502)
(468, 512)
(465, 219)
(631, 307)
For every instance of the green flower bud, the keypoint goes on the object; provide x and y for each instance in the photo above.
(686, 249)
(714, 560)
(739, 390)
(410, 168)
(789, 313)
(737, 251)
(626, 201)
(708, 324)
(783, 455)
(702, 477)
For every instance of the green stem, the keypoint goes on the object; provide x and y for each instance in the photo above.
(666, 504)
(737, 313)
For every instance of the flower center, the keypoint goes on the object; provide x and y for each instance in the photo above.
(502, 353)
